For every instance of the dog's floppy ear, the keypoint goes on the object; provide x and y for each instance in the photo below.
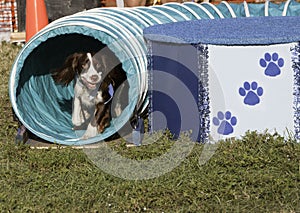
(65, 74)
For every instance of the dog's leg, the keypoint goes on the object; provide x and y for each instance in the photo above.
(91, 131)
(105, 119)
(120, 100)
(93, 127)
(99, 116)
(76, 113)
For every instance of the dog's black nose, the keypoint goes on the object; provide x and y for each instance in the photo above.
(94, 77)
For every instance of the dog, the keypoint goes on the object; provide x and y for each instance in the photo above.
(98, 79)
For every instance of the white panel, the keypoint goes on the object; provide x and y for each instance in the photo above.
(254, 84)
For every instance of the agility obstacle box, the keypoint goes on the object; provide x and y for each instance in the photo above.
(44, 108)
(225, 76)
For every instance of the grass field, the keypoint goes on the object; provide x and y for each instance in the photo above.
(258, 173)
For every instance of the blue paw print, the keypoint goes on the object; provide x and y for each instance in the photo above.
(251, 93)
(225, 122)
(272, 64)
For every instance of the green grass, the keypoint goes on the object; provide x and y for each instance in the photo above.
(7, 126)
(258, 173)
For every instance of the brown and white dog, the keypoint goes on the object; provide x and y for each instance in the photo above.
(98, 79)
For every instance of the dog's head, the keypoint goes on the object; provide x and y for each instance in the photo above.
(87, 67)
(89, 70)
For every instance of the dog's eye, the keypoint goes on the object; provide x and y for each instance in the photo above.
(85, 66)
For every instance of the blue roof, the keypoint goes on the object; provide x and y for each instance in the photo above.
(238, 31)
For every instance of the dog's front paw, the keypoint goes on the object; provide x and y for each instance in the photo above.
(91, 131)
(85, 137)
(103, 126)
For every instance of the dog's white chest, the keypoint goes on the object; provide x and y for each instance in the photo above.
(87, 97)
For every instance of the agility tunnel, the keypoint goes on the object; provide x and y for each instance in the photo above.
(44, 107)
